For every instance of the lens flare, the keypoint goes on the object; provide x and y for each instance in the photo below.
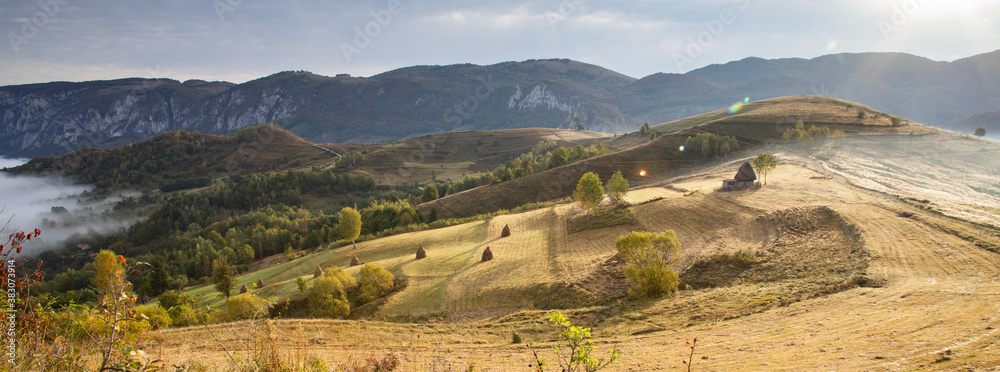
(746, 100)
(736, 107)
(831, 45)
(642, 173)
(681, 149)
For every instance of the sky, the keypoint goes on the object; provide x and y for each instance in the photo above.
(241, 40)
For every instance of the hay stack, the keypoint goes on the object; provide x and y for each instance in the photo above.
(506, 231)
(318, 273)
(487, 254)
(421, 253)
(355, 261)
(244, 289)
(260, 283)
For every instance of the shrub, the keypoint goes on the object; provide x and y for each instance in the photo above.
(301, 283)
(246, 306)
(184, 315)
(342, 276)
(158, 317)
(646, 268)
(328, 299)
(579, 345)
(980, 132)
(374, 282)
(169, 299)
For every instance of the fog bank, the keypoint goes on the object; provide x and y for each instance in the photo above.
(58, 206)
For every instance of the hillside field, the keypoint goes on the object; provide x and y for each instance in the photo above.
(929, 299)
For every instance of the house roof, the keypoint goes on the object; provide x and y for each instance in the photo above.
(745, 173)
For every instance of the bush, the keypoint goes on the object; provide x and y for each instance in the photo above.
(328, 299)
(301, 283)
(374, 282)
(184, 315)
(646, 268)
(158, 317)
(342, 276)
(169, 299)
(651, 280)
(246, 306)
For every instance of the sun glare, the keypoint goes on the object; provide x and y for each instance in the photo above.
(642, 173)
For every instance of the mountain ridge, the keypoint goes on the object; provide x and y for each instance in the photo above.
(58, 117)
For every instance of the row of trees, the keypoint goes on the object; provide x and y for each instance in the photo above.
(545, 155)
(709, 144)
(589, 190)
(800, 133)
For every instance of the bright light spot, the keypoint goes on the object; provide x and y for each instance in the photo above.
(736, 107)
(746, 100)
(642, 173)
(682, 148)
(831, 45)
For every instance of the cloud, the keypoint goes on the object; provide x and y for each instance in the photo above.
(185, 39)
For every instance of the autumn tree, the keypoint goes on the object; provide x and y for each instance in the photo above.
(646, 255)
(430, 193)
(617, 186)
(223, 277)
(589, 192)
(764, 163)
(350, 225)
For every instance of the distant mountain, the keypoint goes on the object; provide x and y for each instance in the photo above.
(54, 118)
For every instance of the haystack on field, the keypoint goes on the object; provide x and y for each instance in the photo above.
(820, 269)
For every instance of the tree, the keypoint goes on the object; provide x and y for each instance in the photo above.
(245, 254)
(763, 163)
(646, 255)
(350, 225)
(327, 298)
(223, 277)
(578, 123)
(159, 280)
(374, 282)
(617, 186)
(430, 193)
(645, 129)
(301, 284)
(432, 215)
(980, 132)
(589, 192)
(896, 121)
